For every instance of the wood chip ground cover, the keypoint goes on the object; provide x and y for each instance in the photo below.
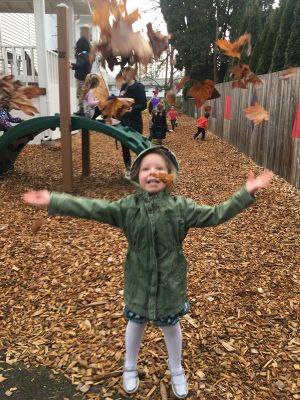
(61, 279)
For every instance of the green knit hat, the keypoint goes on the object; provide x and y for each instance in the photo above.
(153, 149)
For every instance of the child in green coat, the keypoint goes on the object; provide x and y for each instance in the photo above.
(155, 267)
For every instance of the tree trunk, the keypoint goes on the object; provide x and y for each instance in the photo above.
(216, 47)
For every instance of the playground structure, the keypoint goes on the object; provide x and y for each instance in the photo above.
(12, 143)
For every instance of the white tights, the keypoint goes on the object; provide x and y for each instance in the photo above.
(172, 337)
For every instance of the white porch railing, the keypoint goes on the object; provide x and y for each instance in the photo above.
(21, 61)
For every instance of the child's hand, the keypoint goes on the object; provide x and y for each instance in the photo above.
(261, 181)
(39, 198)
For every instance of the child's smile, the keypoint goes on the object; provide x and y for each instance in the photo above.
(151, 164)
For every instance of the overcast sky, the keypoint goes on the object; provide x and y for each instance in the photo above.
(148, 14)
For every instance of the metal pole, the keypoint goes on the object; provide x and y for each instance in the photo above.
(64, 95)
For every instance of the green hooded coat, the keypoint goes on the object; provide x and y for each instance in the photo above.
(155, 226)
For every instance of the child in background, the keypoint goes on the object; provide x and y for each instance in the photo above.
(159, 125)
(155, 224)
(155, 100)
(6, 119)
(202, 123)
(153, 103)
(173, 116)
(82, 68)
(90, 101)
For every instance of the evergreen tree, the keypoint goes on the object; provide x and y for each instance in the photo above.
(287, 19)
(292, 55)
(269, 36)
(190, 23)
(252, 23)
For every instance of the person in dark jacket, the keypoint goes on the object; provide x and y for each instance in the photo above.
(159, 125)
(133, 117)
(155, 223)
(82, 68)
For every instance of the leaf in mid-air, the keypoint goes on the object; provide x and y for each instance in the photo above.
(233, 49)
(202, 91)
(256, 114)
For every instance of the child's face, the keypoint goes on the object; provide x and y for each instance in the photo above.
(151, 163)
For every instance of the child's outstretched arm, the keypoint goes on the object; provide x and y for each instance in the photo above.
(205, 216)
(113, 213)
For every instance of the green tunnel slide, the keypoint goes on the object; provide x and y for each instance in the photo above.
(13, 142)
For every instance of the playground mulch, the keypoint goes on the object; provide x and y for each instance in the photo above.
(61, 283)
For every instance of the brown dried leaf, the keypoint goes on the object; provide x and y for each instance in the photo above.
(202, 91)
(243, 75)
(158, 41)
(232, 49)
(256, 114)
(116, 107)
(167, 179)
(36, 225)
(101, 92)
(291, 71)
(14, 95)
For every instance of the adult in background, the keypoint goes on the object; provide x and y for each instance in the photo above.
(133, 117)
(82, 68)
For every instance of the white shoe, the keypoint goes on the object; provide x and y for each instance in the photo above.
(179, 383)
(130, 380)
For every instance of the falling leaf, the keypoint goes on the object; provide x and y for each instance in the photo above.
(2, 378)
(232, 49)
(243, 75)
(158, 41)
(36, 225)
(18, 97)
(118, 38)
(202, 91)
(256, 114)
(101, 92)
(291, 71)
(116, 107)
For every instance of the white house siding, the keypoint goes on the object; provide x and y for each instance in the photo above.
(17, 30)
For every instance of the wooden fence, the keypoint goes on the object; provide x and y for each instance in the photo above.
(270, 143)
